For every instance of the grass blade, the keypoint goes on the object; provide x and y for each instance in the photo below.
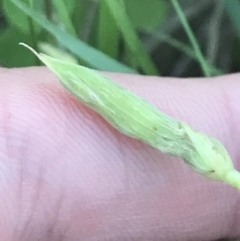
(130, 37)
(108, 33)
(63, 15)
(93, 57)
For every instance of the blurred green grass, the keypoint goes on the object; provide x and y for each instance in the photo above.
(158, 37)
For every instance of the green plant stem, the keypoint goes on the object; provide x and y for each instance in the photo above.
(191, 37)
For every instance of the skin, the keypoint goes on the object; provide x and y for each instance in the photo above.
(67, 174)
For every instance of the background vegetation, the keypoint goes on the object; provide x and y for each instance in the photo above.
(153, 37)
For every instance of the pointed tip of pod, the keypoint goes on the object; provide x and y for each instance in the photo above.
(30, 48)
(41, 56)
(47, 60)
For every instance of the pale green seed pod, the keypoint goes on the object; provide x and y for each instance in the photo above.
(138, 119)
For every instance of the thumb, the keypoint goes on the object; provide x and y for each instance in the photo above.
(66, 173)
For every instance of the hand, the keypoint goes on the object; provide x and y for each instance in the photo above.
(66, 174)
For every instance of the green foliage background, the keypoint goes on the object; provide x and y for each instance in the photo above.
(153, 37)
